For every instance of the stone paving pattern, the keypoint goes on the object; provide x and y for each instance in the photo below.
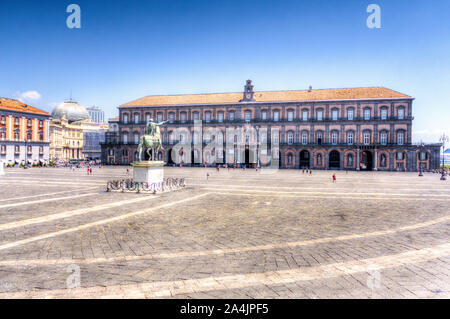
(237, 234)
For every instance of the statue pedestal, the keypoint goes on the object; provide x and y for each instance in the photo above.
(148, 172)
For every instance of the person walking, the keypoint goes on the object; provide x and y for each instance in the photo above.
(334, 178)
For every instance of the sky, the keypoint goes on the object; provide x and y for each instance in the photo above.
(125, 50)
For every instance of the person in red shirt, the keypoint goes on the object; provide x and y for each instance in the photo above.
(334, 178)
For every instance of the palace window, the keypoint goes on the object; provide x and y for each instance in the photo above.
(16, 149)
(41, 150)
(208, 116)
(3, 120)
(366, 114)
(28, 122)
(290, 115)
(160, 117)
(320, 115)
(147, 118)
(3, 135)
(350, 138)
(263, 115)
(350, 113)
(136, 138)
(276, 115)
(383, 138)
(136, 118)
(183, 117)
(41, 136)
(171, 117)
(195, 116)
(16, 121)
(334, 115)
(125, 138)
(248, 116)
(304, 138)
(400, 137)
(290, 138)
(29, 149)
(384, 114)
(319, 138)
(305, 115)
(111, 152)
(3, 149)
(41, 123)
(401, 113)
(220, 116)
(400, 156)
(125, 118)
(366, 138)
(231, 115)
(334, 137)
(171, 138)
(276, 137)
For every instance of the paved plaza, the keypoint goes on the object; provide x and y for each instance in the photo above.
(237, 234)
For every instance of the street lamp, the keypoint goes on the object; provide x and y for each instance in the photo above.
(443, 140)
(420, 166)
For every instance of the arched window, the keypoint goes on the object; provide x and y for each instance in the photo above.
(383, 113)
(276, 115)
(319, 114)
(147, 117)
(401, 113)
(319, 136)
(125, 118)
(350, 114)
(350, 160)
(136, 118)
(220, 116)
(290, 137)
(171, 116)
(125, 138)
(400, 137)
(335, 114)
(248, 116)
(195, 116)
(383, 138)
(366, 138)
(207, 116)
(334, 137)
(136, 138)
(183, 117)
(290, 114)
(304, 138)
(366, 114)
(350, 138)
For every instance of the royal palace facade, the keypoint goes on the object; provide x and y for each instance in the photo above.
(24, 133)
(347, 129)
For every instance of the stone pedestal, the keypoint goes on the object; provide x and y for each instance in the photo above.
(148, 172)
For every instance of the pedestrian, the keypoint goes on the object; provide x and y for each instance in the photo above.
(88, 170)
(303, 170)
(310, 172)
(218, 168)
(207, 175)
(334, 178)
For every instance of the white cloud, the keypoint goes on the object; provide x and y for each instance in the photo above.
(28, 96)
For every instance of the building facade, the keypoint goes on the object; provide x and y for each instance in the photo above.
(73, 134)
(348, 129)
(96, 114)
(24, 133)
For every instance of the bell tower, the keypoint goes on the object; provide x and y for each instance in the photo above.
(248, 92)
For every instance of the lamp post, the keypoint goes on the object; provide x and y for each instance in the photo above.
(420, 166)
(443, 140)
(26, 153)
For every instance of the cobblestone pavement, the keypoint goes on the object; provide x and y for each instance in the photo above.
(237, 234)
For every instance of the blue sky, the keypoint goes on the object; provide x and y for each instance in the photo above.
(129, 49)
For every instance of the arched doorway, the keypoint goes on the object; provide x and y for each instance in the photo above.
(169, 157)
(304, 159)
(366, 163)
(334, 161)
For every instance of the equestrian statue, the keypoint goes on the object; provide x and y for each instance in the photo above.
(151, 141)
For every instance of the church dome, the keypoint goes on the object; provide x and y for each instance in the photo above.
(71, 110)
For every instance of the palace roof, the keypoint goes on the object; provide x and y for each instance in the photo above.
(17, 106)
(369, 93)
